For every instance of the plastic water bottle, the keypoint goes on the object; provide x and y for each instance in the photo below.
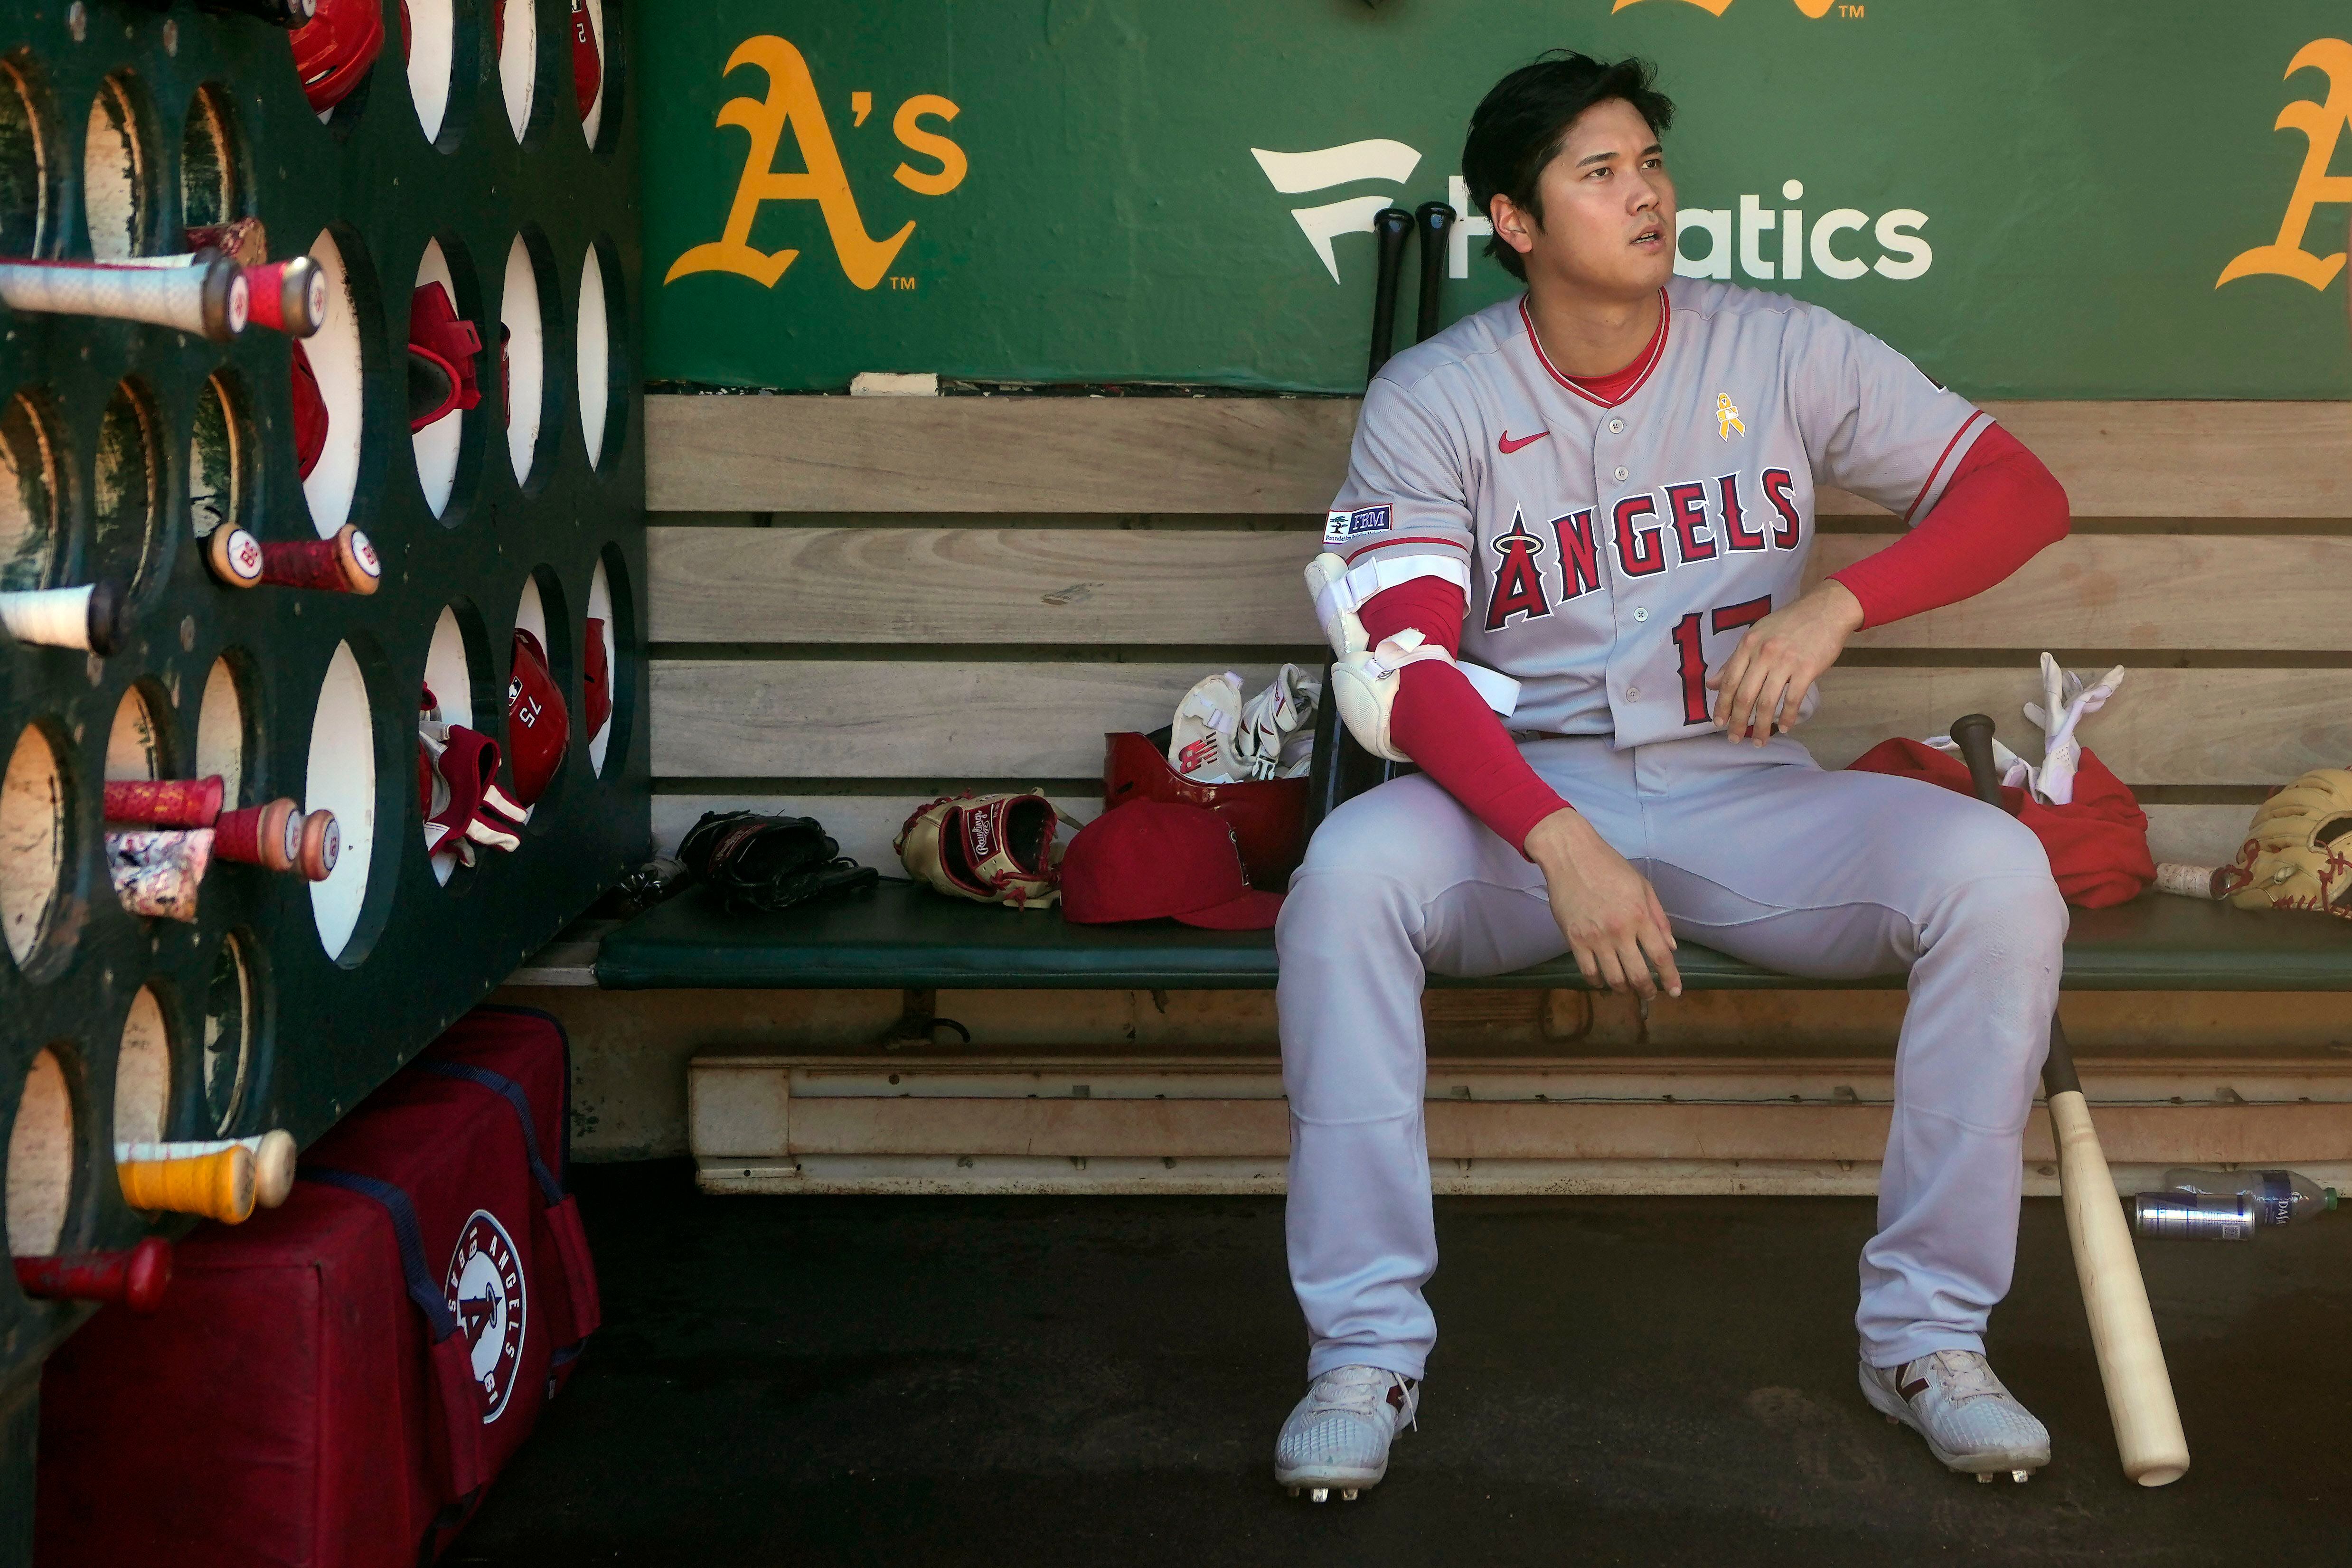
(2281, 1198)
(2194, 1216)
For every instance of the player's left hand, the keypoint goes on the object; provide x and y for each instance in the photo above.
(1762, 683)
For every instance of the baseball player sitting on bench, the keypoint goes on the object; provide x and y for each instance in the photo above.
(1601, 492)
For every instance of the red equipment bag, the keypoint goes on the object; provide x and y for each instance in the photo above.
(335, 1383)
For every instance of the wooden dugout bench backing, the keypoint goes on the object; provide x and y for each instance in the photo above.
(858, 603)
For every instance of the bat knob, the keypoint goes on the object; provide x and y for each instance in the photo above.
(1972, 733)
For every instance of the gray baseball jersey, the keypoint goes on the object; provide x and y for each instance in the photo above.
(1613, 553)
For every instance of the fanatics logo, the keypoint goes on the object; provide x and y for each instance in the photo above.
(1340, 527)
(484, 1287)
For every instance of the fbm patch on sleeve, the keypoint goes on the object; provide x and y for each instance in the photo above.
(1340, 527)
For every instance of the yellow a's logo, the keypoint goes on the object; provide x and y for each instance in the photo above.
(2321, 124)
(1816, 9)
(792, 101)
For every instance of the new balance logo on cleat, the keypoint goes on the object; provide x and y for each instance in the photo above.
(1972, 1423)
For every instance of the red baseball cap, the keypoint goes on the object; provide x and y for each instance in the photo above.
(1153, 860)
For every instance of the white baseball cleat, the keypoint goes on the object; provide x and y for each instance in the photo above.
(1972, 1423)
(1340, 1434)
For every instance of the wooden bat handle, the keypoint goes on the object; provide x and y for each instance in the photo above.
(345, 562)
(164, 802)
(94, 617)
(135, 1277)
(2153, 1448)
(263, 835)
(2115, 1297)
(2190, 881)
(217, 1187)
(273, 1159)
(204, 293)
(288, 297)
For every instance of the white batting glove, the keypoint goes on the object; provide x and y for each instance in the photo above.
(2067, 702)
(1278, 727)
(1202, 741)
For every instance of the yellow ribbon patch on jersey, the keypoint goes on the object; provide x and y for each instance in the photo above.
(1726, 417)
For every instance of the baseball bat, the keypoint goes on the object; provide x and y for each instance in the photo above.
(277, 836)
(1389, 226)
(1432, 221)
(135, 1277)
(344, 563)
(288, 297)
(164, 802)
(2146, 1420)
(273, 1159)
(207, 297)
(218, 1185)
(94, 617)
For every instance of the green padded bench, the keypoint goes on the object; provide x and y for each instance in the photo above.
(896, 936)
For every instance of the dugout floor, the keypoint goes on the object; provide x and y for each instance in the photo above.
(1096, 1381)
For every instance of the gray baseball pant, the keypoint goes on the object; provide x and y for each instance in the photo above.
(1755, 852)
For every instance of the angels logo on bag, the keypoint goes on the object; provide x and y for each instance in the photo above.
(485, 1289)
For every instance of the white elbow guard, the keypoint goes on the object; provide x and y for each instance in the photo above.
(1364, 678)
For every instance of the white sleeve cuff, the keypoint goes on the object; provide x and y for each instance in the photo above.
(1353, 591)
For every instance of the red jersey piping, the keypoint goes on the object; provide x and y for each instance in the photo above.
(1945, 456)
(1656, 352)
(1409, 540)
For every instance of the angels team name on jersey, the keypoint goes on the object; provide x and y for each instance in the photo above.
(1645, 534)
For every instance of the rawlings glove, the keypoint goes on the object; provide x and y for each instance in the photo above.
(990, 849)
(2298, 849)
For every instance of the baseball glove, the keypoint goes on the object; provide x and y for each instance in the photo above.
(2298, 849)
(990, 849)
(767, 862)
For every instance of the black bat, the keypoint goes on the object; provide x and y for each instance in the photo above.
(1389, 226)
(1434, 220)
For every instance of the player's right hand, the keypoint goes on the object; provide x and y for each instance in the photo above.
(1607, 910)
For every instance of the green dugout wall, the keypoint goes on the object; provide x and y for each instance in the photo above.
(123, 447)
(2035, 201)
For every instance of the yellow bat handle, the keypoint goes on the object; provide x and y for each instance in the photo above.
(218, 1186)
(2123, 1330)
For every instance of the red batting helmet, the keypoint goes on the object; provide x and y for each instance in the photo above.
(310, 415)
(441, 349)
(1268, 817)
(537, 727)
(334, 50)
(587, 65)
(595, 679)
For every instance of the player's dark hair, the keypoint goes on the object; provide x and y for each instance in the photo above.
(1518, 127)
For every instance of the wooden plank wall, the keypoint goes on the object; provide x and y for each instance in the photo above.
(859, 602)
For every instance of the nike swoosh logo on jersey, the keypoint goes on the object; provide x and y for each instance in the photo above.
(1505, 445)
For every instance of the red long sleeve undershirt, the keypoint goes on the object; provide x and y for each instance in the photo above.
(2000, 508)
